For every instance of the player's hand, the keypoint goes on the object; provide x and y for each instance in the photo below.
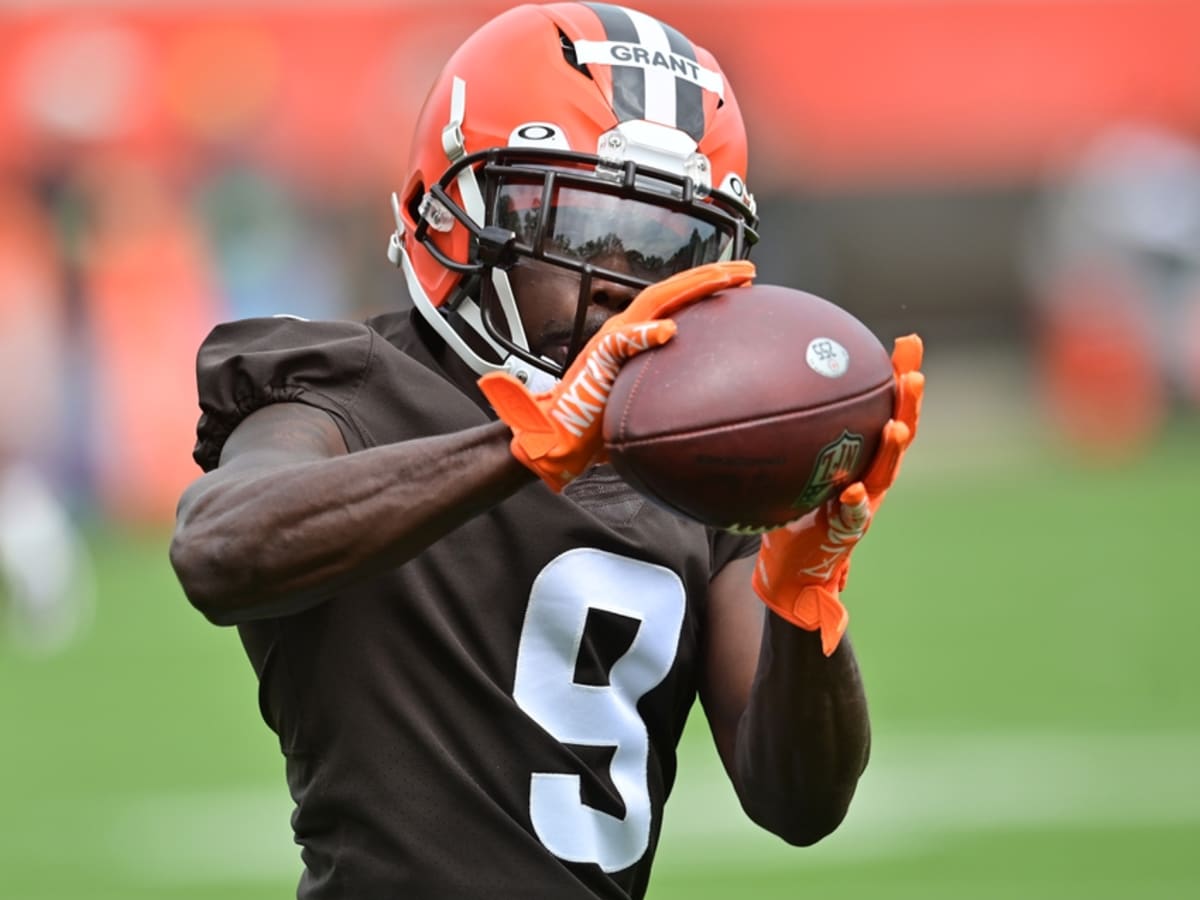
(556, 433)
(802, 567)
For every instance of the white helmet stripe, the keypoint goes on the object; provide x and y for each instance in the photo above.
(660, 81)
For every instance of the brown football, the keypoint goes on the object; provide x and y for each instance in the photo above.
(766, 401)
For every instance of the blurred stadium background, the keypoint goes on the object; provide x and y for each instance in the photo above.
(1015, 179)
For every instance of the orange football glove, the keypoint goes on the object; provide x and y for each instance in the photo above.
(802, 567)
(556, 433)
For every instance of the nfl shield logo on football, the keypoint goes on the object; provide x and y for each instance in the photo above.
(834, 463)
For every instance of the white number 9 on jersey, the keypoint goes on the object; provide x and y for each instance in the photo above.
(596, 715)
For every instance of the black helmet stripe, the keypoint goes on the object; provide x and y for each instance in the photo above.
(655, 92)
(629, 82)
(689, 96)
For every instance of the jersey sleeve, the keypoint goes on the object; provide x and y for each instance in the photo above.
(726, 547)
(247, 364)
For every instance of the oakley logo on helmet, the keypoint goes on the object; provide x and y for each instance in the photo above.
(735, 187)
(539, 134)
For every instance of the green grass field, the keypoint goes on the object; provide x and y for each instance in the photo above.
(1027, 634)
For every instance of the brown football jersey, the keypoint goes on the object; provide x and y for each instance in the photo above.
(497, 717)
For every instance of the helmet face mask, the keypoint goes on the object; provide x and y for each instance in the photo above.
(631, 226)
(516, 186)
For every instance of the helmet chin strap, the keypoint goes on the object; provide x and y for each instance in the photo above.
(508, 306)
(529, 375)
(534, 378)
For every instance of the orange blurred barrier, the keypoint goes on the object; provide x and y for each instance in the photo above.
(832, 91)
(323, 96)
(151, 300)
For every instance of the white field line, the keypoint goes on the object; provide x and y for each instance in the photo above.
(917, 791)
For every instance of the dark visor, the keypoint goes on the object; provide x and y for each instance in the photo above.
(620, 234)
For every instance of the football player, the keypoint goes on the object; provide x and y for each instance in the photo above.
(477, 646)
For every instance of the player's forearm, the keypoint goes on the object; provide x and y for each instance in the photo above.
(273, 541)
(804, 738)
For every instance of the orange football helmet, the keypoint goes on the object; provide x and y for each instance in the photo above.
(583, 135)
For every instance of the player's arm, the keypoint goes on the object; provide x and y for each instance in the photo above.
(784, 697)
(289, 515)
(790, 723)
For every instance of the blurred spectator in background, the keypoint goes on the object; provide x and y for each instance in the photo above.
(1116, 276)
(45, 585)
